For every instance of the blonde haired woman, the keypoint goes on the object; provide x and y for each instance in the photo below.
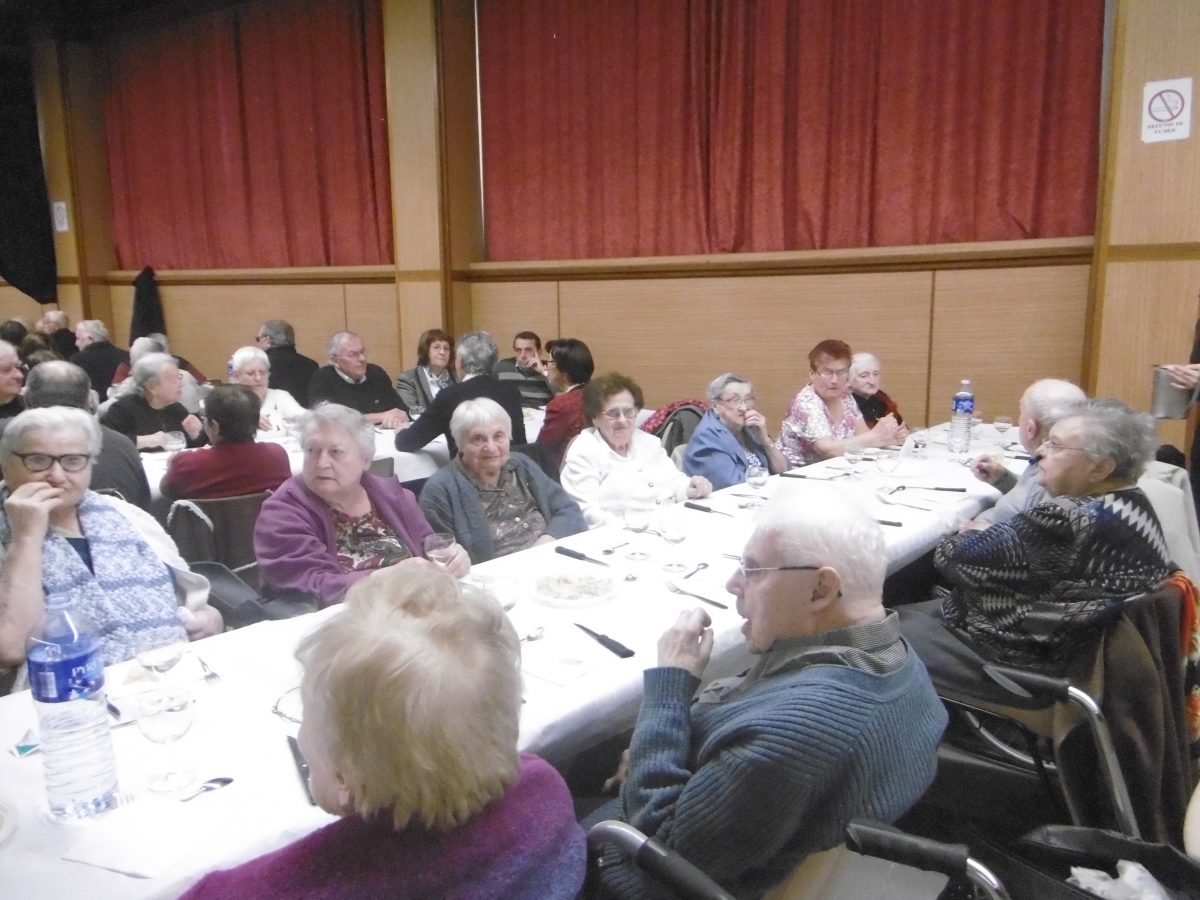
(411, 704)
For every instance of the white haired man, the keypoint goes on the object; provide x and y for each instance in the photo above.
(837, 719)
(352, 381)
(97, 355)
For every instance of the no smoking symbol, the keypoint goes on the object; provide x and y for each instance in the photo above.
(1165, 106)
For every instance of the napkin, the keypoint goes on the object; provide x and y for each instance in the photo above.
(560, 657)
(146, 838)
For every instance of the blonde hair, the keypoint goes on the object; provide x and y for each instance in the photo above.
(415, 694)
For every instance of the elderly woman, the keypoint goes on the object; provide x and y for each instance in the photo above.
(873, 403)
(434, 370)
(12, 379)
(571, 368)
(823, 422)
(731, 436)
(412, 699)
(191, 378)
(612, 466)
(61, 543)
(146, 414)
(234, 465)
(334, 523)
(250, 366)
(494, 503)
(1029, 591)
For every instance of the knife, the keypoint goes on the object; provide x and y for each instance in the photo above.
(887, 522)
(575, 554)
(708, 509)
(813, 477)
(925, 487)
(301, 767)
(606, 642)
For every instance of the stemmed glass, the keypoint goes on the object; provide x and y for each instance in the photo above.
(675, 532)
(1002, 424)
(158, 654)
(164, 716)
(174, 441)
(920, 440)
(756, 477)
(854, 457)
(637, 521)
(439, 548)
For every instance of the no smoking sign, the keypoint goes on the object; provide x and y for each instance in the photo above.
(1167, 110)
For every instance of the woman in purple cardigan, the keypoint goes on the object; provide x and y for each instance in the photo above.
(334, 524)
(412, 698)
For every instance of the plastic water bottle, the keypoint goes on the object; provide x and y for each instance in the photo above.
(961, 410)
(66, 676)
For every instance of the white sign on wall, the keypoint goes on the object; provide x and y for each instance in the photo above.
(1167, 110)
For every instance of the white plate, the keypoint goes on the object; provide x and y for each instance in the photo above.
(573, 591)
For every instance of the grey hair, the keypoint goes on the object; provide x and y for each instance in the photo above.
(57, 317)
(335, 342)
(58, 383)
(717, 386)
(149, 368)
(1114, 431)
(859, 362)
(477, 413)
(7, 349)
(151, 343)
(331, 415)
(243, 355)
(1050, 400)
(477, 352)
(93, 328)
(828, 529)
(279, 333)
(57, 419)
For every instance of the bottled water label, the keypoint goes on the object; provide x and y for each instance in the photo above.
(74, 677)
(963, 405)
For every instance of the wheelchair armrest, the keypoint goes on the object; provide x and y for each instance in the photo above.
(1029, 684)
(876, 839)
(657, 860)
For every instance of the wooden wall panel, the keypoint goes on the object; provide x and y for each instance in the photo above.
(16, 305)
(504, 308)
(420, 309)
(371, 311)
(1003, 329)
(673, 336)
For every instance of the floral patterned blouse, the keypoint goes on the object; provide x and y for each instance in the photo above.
(366, 542)
(808, 421)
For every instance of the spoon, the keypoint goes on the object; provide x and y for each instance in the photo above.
(699, 567)
(611, 550)
(535, 635)
(213, 784)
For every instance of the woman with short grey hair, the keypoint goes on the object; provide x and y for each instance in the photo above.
(152, 409)
(731, 436)
(494, 502)
(251, 367)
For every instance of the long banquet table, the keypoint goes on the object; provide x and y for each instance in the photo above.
(576, 691)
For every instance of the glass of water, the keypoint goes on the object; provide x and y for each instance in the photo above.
(164, 716)
(439, 548)
(854, 457)
(756, 478)
(159, 654)
(1002, 424)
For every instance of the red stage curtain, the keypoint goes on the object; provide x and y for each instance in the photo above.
(655, 127)
(255, 136)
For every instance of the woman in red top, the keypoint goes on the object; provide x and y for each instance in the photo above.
(571, 367)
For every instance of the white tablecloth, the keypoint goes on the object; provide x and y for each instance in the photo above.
(577, 692)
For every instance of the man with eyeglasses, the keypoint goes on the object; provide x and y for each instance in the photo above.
(836, 719)
(352, 381)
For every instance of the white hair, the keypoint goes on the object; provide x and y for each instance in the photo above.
(717, 386)
(151, 343)
(1047, 400)
(860, 362)
(330, 415)
(245, 355)
(93, 328)
(149, 368)
(334, 347)
(7, 349)
(480, 412)
(56, 419)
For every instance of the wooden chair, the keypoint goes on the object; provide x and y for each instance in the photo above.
(216, 530)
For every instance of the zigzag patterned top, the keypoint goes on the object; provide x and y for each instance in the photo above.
(1030, 591)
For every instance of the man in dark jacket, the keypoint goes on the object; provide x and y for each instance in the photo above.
(291, 371)
(97, 356)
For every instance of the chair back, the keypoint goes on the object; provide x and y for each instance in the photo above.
(676, 427)
(216, 530)
(384, 467)
(1169, 491)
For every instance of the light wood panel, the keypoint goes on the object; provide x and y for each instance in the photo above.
(503, 309)
(15, 305)
(460, 126)
(420, 309)
(1004, 329)
(371, 311)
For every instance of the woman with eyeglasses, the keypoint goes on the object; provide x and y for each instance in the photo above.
(824, 421)
(731, 436)
(613, 466)
(60, 542)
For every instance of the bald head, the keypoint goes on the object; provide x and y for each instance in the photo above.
(58, 383)
(1044, 403)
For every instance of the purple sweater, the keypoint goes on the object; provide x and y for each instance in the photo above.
(526, 844)
(295, 542)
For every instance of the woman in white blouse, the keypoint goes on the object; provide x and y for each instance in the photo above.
(250, 366)
(613, 466)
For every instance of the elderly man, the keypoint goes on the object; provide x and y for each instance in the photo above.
(57, 328)
(291, 371)
(526, 370)
(11, 380)
(1043, 403)
(836, 719)
(352, 381)
(475, 360)
(97, 356)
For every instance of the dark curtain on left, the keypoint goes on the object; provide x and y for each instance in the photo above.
(26, 235)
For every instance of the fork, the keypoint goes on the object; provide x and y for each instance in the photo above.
(678, 590)
(209, 675)
(884, 498)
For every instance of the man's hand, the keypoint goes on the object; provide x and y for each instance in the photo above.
(393, 418)
(688, 643)
(988, 468)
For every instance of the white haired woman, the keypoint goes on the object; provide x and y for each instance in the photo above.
(335, 523)
(493, 502)
(731, 436)
(412, 699)
(152, 409)
(190, 377)
(872, 402)
(61, 543)
(251, 367)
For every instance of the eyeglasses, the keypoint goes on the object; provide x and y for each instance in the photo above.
(616, 414)
(739, 401)
(835, 374)
(1051, 446)
(748, 571)
(40, 462)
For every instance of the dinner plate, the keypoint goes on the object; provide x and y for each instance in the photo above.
(573, 591)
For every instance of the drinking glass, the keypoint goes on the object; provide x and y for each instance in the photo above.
(854, 457)
(174, 441)
(1002, 424)
(164, 716)
(439, 548)
(637, 521)
(675, 532)
(920, 440)
(158, 654)
(756, 478)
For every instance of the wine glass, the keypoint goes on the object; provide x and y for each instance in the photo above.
(1002, 424)
(158, 654)
(439, 548)
(174, 441)
(854, 456)
(674, 532)
(756, 477)
(637, 521)
(164, 716)
(920, 440)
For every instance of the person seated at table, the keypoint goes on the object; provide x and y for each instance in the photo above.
(613, 466)
(352, 381)
(152, 408)
(526, 370)
(1043, 403)
(11, 381)
(291, 370)
(234, 465)
(872, 402)
(1032, 590)
(731, 435)
(62, 543)
(434, 370)
(823, 422)
(495, 503)
(571, 368)
(412, 703)
(335, 523)
(157, 342)
(251, 367)
(474, 358)
(836, 719)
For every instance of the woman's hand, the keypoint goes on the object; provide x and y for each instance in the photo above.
(29, 508)
(1185, 376)
(192, 427)
(151, 441)
(201, 623)
(757, 422)
(698, 486)
(887, 431)
(688, 643)
(460, 563)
